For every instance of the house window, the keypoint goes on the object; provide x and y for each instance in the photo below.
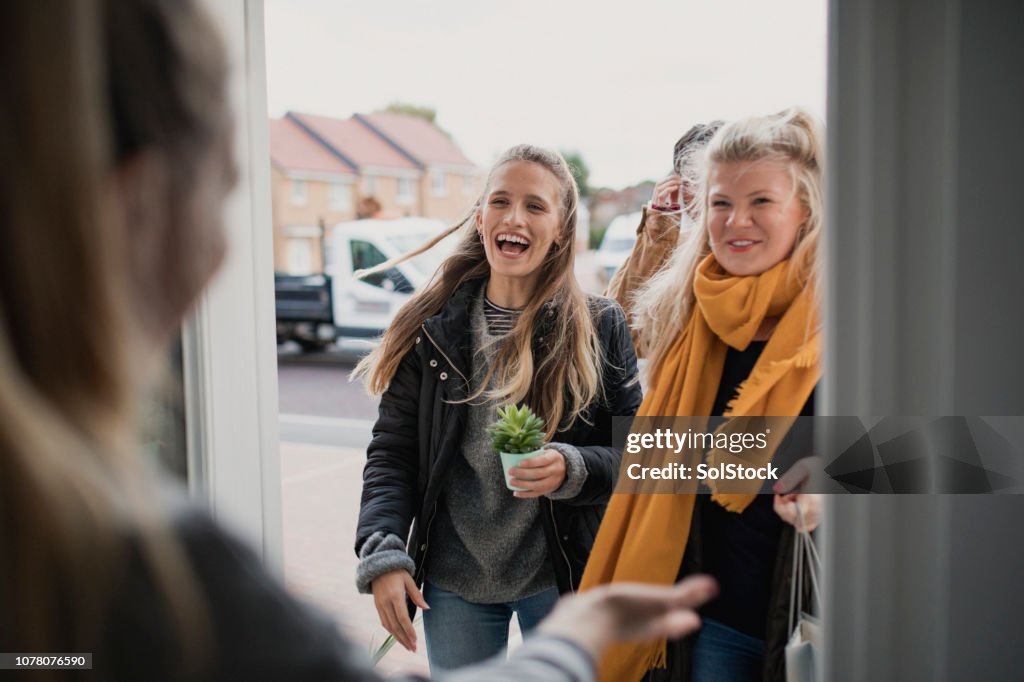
(341, 197)
(468, 185)
(300, 256)
(370, 186)
(405, 191)
(299, 192)
(439, 183)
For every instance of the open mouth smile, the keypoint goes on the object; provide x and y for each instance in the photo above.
(511, 245)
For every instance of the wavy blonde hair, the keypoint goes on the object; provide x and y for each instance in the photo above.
(664, 305)
(519, 375)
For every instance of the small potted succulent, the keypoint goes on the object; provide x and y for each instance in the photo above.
(517, 435)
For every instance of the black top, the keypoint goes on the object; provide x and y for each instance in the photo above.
(257, 631)
(739, 550)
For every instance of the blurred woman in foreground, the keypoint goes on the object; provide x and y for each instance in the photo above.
(115, 158)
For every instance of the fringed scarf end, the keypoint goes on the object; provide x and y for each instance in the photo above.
(659, 659)
(731, 502)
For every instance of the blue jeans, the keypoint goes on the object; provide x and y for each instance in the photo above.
(460, 632)
(722, 654)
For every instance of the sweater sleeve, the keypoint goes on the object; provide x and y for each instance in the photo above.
(542, 658)
(381, 553)
(575, 471)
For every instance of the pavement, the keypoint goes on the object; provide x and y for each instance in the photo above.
(320, 506)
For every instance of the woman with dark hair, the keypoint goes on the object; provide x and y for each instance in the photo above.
(115, 158)
(668, 217)
(503, 321)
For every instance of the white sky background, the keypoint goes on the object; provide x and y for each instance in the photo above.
(620, 82)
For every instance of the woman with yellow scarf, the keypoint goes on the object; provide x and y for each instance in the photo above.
(730, 326)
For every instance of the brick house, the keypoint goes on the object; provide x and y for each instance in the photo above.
(449, 182)
(312, 190)
(323, 168)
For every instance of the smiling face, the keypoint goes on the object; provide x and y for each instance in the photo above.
(754, 215)
(521, 217)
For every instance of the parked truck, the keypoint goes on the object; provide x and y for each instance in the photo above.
(316, 310)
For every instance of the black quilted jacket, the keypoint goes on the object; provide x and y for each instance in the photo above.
(419, 431)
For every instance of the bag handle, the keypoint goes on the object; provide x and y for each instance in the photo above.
(805, 558)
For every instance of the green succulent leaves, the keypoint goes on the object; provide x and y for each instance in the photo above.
(517, 431)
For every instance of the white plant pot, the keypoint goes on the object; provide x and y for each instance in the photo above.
(510, 460)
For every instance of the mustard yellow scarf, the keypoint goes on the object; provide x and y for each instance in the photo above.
(643, 536)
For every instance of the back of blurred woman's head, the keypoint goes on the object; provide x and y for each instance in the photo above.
(114, 156)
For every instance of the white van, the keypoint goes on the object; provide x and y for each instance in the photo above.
(365, 307)
(617, 244)
(316, 310)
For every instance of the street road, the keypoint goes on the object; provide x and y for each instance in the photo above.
(318, 403)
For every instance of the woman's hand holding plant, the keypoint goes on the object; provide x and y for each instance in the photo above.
(539, 475)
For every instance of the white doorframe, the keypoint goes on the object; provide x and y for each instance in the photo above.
(230, 362)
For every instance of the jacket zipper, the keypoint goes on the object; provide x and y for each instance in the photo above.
(558, 541)
(438, 348)
(426, 543)
(433, 513)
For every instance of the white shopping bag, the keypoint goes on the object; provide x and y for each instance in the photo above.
(805, 630)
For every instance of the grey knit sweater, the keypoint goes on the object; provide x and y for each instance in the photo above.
(489, 546)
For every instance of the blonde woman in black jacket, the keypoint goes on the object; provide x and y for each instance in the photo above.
(503, 321)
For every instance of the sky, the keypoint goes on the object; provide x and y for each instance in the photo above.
(618, 82)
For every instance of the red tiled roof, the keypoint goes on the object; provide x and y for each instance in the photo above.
(292, 149)
(356, 143)
(419, 138)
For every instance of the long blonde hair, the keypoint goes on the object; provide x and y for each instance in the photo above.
(664, 305)
(519, 375)
(86, 84)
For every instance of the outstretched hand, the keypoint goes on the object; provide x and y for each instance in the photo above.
(624, 612)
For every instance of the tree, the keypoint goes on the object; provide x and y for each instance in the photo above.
(428, 114)
(580, 171)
